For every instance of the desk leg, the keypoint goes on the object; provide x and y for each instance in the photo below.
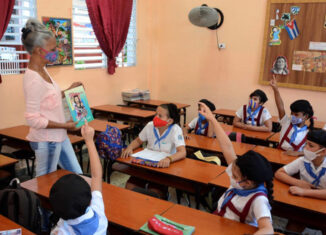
(197, 196)
(94, 114)
(1, 137)
(184, 116)
(79, 147)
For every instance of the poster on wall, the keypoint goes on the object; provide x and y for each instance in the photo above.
(309, 61)
(61, 28)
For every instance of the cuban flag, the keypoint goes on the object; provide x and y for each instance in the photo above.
(292, 29)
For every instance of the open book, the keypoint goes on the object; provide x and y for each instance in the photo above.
(148, 157)
(78, 105)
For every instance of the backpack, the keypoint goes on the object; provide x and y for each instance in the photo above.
(109, 144)
(236, 136)
(21, 205)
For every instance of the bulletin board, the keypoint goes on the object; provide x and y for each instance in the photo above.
(294, 47)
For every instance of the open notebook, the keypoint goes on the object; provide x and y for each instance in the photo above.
(149, 157)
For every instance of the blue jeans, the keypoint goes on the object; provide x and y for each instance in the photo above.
(50, 154)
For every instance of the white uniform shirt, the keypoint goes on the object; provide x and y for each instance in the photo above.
(193, 124)
(297, 166)
(169, 144)
(263, 118)
(285, 123)
(63, 226)
(260, 207)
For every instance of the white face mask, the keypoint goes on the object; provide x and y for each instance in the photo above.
(235, 184)
(309, 155)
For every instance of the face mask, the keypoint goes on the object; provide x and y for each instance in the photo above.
(253, 104)
(309, 155)
(295, 120)
(235, 184)
(159, 122)
(201, 117)
(51, 56)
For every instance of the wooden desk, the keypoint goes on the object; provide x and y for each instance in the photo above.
(122, 207)
(122, 113)
(8, 164)
(16, 137)
(7, 224)
(100, 125)
(7, 161)
(230, 113)
(20, 132)
(154, 103)
(211, 144)
(188, 174)
(275, 138)
(309, 211)
(253, 134)
(277, 156)
(206, 223)
(319, 124)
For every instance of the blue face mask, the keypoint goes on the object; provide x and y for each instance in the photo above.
(51, 56)
(295, 120)
(201, 117)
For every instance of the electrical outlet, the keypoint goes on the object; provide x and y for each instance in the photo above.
(221, 45)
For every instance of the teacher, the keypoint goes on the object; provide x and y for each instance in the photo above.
(43, 99)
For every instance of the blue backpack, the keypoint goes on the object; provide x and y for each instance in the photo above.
(109, 144)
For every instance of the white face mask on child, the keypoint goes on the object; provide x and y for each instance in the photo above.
(309, 155)
(233, 182)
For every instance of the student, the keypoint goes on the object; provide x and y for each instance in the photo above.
(248, 174)
(294, 131)
(162, 134)
(312, 168)
(254, 116)
(199, 124)
(80, 206)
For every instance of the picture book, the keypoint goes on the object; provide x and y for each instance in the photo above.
(78, 105)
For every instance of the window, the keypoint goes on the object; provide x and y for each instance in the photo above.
(87, 52)
(13, 58)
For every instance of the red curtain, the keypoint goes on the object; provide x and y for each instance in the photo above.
(110, 20)
(5, 13)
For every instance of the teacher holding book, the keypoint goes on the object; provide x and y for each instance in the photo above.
(43, 98)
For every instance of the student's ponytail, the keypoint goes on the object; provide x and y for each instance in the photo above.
(269, 186)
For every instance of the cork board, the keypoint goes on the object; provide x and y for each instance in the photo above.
(295, 34)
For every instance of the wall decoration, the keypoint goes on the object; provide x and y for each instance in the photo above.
(61, 29)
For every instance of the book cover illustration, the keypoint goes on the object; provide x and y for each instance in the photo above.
(78, 105)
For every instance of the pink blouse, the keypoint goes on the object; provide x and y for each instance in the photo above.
(43, 103)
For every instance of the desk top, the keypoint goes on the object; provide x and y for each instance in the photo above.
(206, 223)
(122, 110)
(20, 132)
(7, 224)
(7, 161)
(231, 113)
(252, 134)
(275, 155)
(155, 103)
(187, 169)
(123, 207)
(211, 144)
(100, 125)
(275, 137)
(281, 194)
